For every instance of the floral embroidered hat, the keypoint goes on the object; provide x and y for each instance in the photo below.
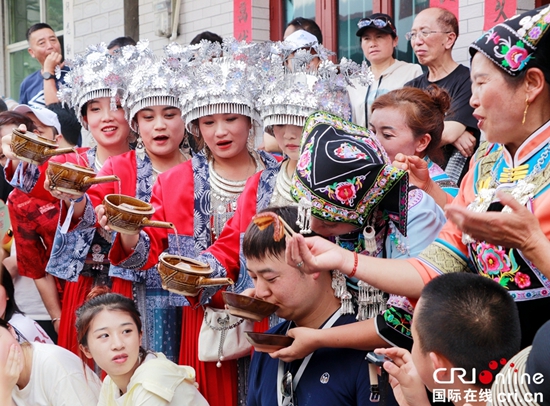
(344, 174)
(512, 45)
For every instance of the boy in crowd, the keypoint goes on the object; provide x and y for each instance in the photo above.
(465, 327)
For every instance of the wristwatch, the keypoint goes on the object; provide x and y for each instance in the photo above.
(47, 75)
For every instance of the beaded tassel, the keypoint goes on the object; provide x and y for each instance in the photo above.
(370, 238)
(338, 283)
(223, 322)
(347, 304)
(363, 301)
(398, 240)
(304, 216)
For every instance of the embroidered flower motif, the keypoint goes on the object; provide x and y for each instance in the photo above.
(348, 151)
(493, 36)
(493, 259)
(522, 280)
(345, 192)
(515, 57)
(304, 162)
(535, 32)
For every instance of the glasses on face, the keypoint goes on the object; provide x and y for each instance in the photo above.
(377, 22)
(411, 36)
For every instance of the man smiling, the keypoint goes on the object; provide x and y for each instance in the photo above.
(46, 49)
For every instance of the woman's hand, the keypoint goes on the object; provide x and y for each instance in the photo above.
(102, 216)
(519, 229)
(66, 197)
(6, 145)
(419, 174)
(316, 254)
(305, 342)
(10, 371)
(408, 388)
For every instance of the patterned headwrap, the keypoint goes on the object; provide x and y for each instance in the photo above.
(345, 174)
(512, 45)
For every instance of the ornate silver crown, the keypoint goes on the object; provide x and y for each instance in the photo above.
(223, 78)
(96, 73)
(157, 81)
(299, 82)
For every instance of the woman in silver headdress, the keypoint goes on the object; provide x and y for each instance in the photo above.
(200, 195)
(153, 110)
(94, 88)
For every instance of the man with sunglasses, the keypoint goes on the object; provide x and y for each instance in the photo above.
(328, 376)
(433, 35)
(378, 39)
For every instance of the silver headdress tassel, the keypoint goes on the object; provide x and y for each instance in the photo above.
(95, 74)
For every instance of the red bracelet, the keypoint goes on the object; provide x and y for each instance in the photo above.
(355, 263)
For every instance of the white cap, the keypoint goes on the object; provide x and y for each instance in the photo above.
(301, 39)
(45, 115)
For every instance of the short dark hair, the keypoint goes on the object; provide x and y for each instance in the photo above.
(469, 319)
(121, 42)
(70, 126)
(3, 105)
(11, 307)
(259, 244)
(36, 27)
(207, 35)
(309, 25)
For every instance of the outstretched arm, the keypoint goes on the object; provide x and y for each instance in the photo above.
(393, 276)
(360, 336)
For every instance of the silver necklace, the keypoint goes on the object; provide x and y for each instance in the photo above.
(224, 194)
(283, 183)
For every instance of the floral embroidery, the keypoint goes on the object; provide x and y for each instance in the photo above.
(501, 266)
(522, 280)
(515, 56)
(493, 260)
(345, 192)
(493, 36)
(348, 151)
(399, 320)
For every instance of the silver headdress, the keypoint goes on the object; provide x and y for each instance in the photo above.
(155, 81)
(224, 79)
(95, 74)
(300, 82)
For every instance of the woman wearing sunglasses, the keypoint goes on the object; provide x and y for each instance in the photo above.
(378, 39)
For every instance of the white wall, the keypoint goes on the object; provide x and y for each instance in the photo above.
(96, 21)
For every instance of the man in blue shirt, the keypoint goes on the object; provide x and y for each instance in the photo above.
(329, 376)
(46, 49)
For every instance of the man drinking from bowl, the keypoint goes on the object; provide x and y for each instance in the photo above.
(330, 376)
